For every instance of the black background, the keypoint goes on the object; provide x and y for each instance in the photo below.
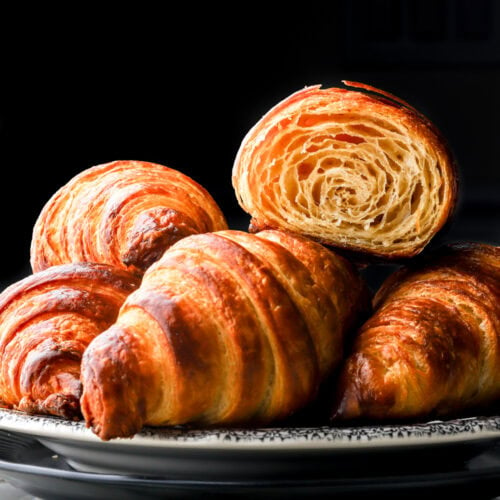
(182, 88)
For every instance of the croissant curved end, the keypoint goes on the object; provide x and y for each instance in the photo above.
(59, 404)
(110, 403)
(432, 346)
(46, 322)
(348, 168)
(152, 233)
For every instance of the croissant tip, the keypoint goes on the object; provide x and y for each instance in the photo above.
(66, 406)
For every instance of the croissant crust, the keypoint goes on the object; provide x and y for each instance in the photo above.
(349, 168)
(226, 328)
(433, 345)
(46, 322)
(124, 213)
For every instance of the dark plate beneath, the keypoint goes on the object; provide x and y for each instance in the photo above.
(30, 466)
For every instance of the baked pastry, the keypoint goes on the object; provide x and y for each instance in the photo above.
(432, 347)
(46, 322)
(124, 213)
(226, 328)
(357, 169)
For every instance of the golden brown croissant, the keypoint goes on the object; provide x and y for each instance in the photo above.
(124, 213)
(433, 345)
(349, 168)
(226, 328)
(46, 322)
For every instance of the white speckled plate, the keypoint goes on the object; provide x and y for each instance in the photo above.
(32, 467)
(258, 453)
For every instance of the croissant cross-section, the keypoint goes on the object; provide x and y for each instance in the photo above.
(350, 168)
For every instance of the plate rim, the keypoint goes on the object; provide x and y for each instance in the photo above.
(459, 430)
(9, 466)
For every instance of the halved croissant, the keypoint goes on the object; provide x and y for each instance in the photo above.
(124, 213)
(46, 322)
(226, 328)
(433, 345)
(348, 168)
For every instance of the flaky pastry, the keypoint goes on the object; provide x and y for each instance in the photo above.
(124, 213)
(432, 347)
(46, 322)
(227, 327)
(356, 169)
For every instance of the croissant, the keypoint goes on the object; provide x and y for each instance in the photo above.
(227, 327)
(358, 171)
(124, 213)
(46, 322)
(432, 346)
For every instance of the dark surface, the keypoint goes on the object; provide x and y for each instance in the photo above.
(182, 89)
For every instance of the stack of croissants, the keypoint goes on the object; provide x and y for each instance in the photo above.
(145, 309)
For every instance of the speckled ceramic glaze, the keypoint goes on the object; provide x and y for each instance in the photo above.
(437, 431)
(266, 454)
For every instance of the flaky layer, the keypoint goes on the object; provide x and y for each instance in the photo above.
(226, 328)
(433, 345)
(349, 169)
(46, 322)
(124, 213)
